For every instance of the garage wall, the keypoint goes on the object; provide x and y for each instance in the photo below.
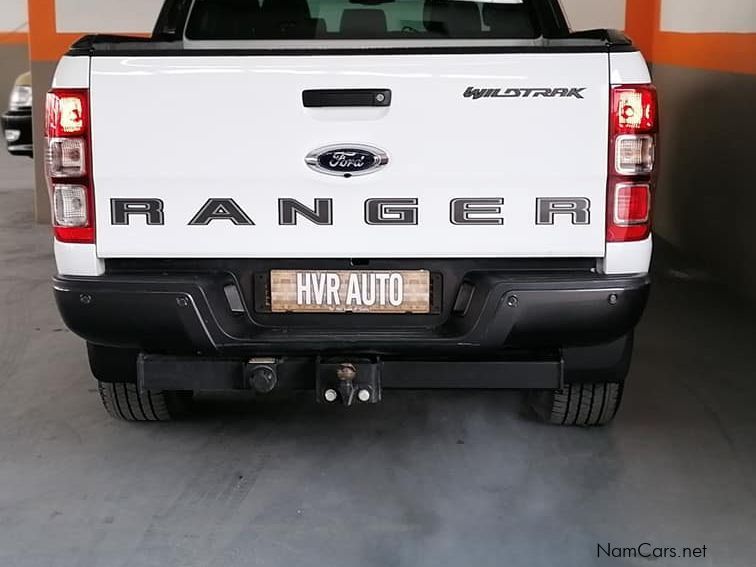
(691, 16)
(12, 18)
(590, 14)
(14, 60)
(704, 64)
(106, 16)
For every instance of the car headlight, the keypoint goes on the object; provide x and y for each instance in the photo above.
(21, 97)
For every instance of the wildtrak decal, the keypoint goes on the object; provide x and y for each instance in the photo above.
(464, 211)
(562, 92)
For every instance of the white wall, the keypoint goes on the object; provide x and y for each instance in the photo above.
(729, 16)
(13, 16)
(589, 14)
(106, 16)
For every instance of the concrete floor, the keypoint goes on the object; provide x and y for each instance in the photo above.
(425, 479)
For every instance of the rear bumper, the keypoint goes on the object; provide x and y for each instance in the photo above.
(17, 132)
(481, 312)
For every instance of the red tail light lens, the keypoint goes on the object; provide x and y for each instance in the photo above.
(67, 113)
(632, 204)
(67, 164)
(634, 109)
(629, 216)
(632, 162)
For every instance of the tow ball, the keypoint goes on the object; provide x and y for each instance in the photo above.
(349, 382)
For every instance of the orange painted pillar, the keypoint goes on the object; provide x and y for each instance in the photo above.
(45, 43)
(642, 23)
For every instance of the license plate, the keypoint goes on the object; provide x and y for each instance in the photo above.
(319, 291)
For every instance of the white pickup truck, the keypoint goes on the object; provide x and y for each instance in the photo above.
(353, 196)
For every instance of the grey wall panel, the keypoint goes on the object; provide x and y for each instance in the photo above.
(706, 201)
(14, 60)
(42, 74)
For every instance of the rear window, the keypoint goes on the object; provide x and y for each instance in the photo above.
(365, 19)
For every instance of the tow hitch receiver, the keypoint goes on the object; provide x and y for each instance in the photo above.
(349, 382)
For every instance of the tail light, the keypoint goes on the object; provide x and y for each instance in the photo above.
(632, 162)
(68, 165)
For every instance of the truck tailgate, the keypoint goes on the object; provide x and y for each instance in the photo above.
(184, 130)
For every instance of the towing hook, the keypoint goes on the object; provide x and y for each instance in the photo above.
(350, 383)
(346, 373)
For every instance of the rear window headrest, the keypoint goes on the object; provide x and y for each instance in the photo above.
(364, 23)
(231, 19)
(290, 9)
(509, 20)
(453, 18)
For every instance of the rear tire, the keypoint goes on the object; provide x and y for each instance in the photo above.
(124, 401)
(582, 405)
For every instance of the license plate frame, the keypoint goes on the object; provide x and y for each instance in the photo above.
(342, 292)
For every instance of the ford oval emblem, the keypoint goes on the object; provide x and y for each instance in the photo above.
(347, 160)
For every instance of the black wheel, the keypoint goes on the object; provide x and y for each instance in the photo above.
(583, 405)
(124, 401)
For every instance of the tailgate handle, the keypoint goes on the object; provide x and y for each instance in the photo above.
(325, 98)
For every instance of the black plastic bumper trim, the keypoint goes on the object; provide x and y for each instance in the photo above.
(189, 314)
